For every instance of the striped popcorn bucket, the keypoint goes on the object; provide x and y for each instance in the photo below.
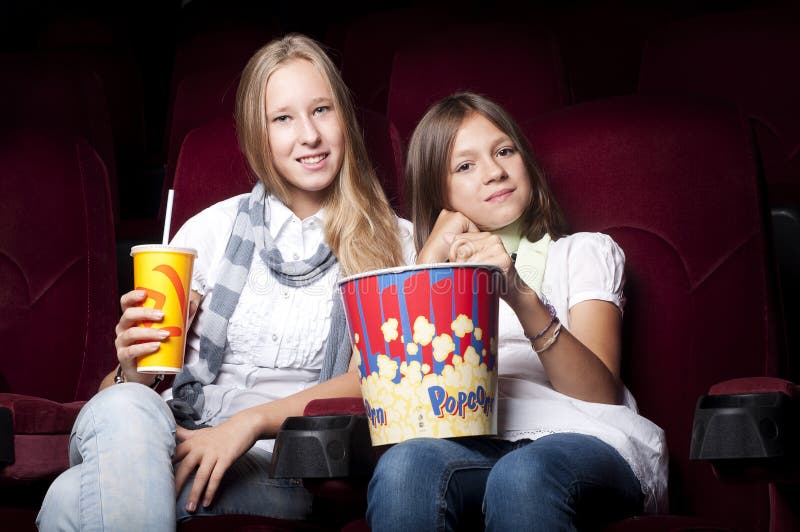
(426, 341)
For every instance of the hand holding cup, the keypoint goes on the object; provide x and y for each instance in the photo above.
(133, 341)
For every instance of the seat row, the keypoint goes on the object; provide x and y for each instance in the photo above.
(648, 170)
(398, 62)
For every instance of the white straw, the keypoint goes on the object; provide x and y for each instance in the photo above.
(168, 217)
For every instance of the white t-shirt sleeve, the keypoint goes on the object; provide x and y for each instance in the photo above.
(596, 269)
(406, 234)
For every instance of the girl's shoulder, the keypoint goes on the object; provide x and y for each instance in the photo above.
(584, 266)
(210, 225)
(217, 213)
(585, 245)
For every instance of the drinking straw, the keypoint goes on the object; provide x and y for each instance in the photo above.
(168, 217)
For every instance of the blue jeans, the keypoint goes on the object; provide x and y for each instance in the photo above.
(557, 482)
(122, 477)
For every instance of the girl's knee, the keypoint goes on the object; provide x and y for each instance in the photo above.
(60, 506)
(528, 471)
(128, 400)
(127, 409)
(411, 464)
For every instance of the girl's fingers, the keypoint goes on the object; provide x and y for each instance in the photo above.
(479, 247)
(185, 468)
(135, 351)
(137, 335)
(180, 450)
(213, 482)
(132, 299)
(132, 316)
(465, 245)
(182, 434)
(199, 484)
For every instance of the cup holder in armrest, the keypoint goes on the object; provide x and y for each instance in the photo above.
(749, 427)
(323, 447)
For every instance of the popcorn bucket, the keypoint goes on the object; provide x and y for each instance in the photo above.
(426, 340)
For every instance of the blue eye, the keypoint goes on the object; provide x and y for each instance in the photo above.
(282, 118)
(322, 109)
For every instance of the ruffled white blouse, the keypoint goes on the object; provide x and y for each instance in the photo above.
(579, 267)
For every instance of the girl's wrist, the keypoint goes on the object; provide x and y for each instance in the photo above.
(428, 255)
(263, 422)
(524, 302)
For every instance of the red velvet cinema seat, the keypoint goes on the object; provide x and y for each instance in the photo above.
(44, 90)
(210, 169)
(370, 42)
(747, 58)
(527, 77)
(674, 182)
(58, 302)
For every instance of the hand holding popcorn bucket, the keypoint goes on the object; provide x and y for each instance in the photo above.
(426, 341)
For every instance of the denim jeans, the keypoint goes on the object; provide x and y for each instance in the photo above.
(122, 477)
(558, 482)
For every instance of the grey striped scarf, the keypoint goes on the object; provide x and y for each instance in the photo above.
(251, 234)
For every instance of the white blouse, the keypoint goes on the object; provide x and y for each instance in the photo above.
(277, 334)
(579, 267)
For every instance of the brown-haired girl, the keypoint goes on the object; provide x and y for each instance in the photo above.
(270, 332)
(571, 449)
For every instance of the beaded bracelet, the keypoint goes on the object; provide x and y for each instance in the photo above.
(549, 343)
(552, 310)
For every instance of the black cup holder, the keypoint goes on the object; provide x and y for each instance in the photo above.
(323, 447)
(753, 426)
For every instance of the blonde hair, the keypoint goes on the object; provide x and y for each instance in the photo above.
(429, 159)
(360, 226)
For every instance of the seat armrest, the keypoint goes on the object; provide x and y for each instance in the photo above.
(335, 406)
(35, 415)
(748, 430)
(38, 433)
(334, 446)
(755, 385)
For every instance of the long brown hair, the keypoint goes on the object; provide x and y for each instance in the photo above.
(428, 161)
(360, 226)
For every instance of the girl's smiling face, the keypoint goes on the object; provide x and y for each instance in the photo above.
(305, 135)
(486, 181)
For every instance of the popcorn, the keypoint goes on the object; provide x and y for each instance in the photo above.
(389, 329)
(471, 356)
(478, 333)
(387, 368)
(462, 325)
(412, 349)
(424, 330)
(456, 403)
(442, 346)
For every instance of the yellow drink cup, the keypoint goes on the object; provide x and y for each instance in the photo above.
(165, 273)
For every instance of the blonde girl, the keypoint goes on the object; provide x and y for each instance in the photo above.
(269, 334)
